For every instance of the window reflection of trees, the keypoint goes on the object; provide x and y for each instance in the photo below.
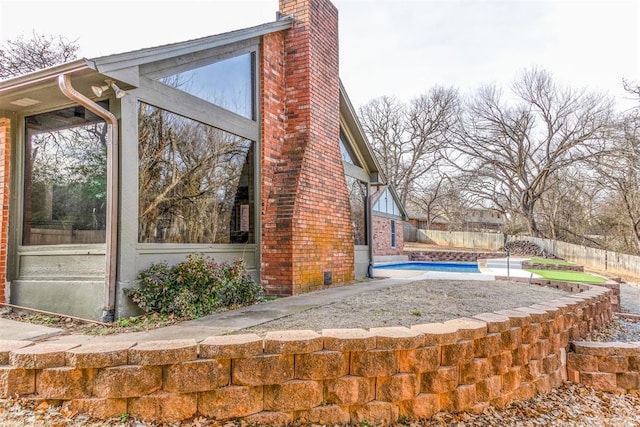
(227, 83)
(358, 198)
(65, 178)
(193, 181)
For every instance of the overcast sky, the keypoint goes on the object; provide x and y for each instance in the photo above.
(399, 48)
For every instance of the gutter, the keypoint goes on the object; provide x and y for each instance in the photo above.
(64, 82)
(40, 76)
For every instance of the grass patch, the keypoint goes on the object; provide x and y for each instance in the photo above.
(549, 261)
(569, 276)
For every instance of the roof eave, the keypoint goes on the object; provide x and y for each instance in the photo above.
(141, 56)
(49, 73)
(350, 116)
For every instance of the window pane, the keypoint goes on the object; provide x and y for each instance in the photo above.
(358, 197)
(393, 234)
(196, 182)
(347, 153)
(227, 83)
(65, 178)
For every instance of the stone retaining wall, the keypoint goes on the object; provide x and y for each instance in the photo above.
(337, 377)
(540, 266)
(614, 287)
(452, 255)
(606, 366)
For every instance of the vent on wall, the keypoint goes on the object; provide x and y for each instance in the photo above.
(327, 278)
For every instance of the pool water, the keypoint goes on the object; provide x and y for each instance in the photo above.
(454, 267)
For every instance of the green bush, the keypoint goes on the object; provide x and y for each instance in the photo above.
(195, 287)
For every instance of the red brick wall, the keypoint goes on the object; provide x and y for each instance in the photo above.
(382, 236)
(5, 157)
(306, 211)
(277, 206)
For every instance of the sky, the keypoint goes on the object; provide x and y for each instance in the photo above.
(395, 48)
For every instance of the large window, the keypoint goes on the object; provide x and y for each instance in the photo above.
(65, 178)
(227, 83)
(358, 198)
(196, 182)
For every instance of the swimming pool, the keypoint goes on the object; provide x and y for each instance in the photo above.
(453, 267)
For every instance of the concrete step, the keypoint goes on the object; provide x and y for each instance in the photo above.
(502, 263)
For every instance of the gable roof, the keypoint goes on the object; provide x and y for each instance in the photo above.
(40, 87)
(394, 196)
(359, 139)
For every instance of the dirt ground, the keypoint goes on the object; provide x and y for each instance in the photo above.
(424, 301)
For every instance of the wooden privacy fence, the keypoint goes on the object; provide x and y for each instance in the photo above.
(598, 259)
(463, 239)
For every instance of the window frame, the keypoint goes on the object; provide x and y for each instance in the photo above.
(21, 173)
(160, 95)
(394, 230)
(250, 157)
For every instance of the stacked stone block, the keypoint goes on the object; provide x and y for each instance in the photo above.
(540, 266)
(460, 256)
(606, 366)
(339, 376)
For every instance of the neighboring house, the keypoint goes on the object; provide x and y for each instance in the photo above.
(484, 220)
(388, 217)
(238, 145)
(424, 222)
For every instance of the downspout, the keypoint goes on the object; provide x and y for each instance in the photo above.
(369, 219)
(64, 82)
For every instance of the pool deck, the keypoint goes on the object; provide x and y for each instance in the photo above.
(486, 273)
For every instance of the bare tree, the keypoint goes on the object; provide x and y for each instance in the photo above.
(567, 210)
(618, 171)
(408, 138)
(21, 56)
(515, 151)
(429, 197)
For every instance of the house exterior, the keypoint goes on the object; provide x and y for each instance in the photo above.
(423, 221)
(481, 220)
(388, 223)
(238, 145)
(484, 220)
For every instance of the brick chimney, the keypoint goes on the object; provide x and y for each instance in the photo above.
(307, 236)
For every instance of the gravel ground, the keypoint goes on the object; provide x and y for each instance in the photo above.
(419, 302)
